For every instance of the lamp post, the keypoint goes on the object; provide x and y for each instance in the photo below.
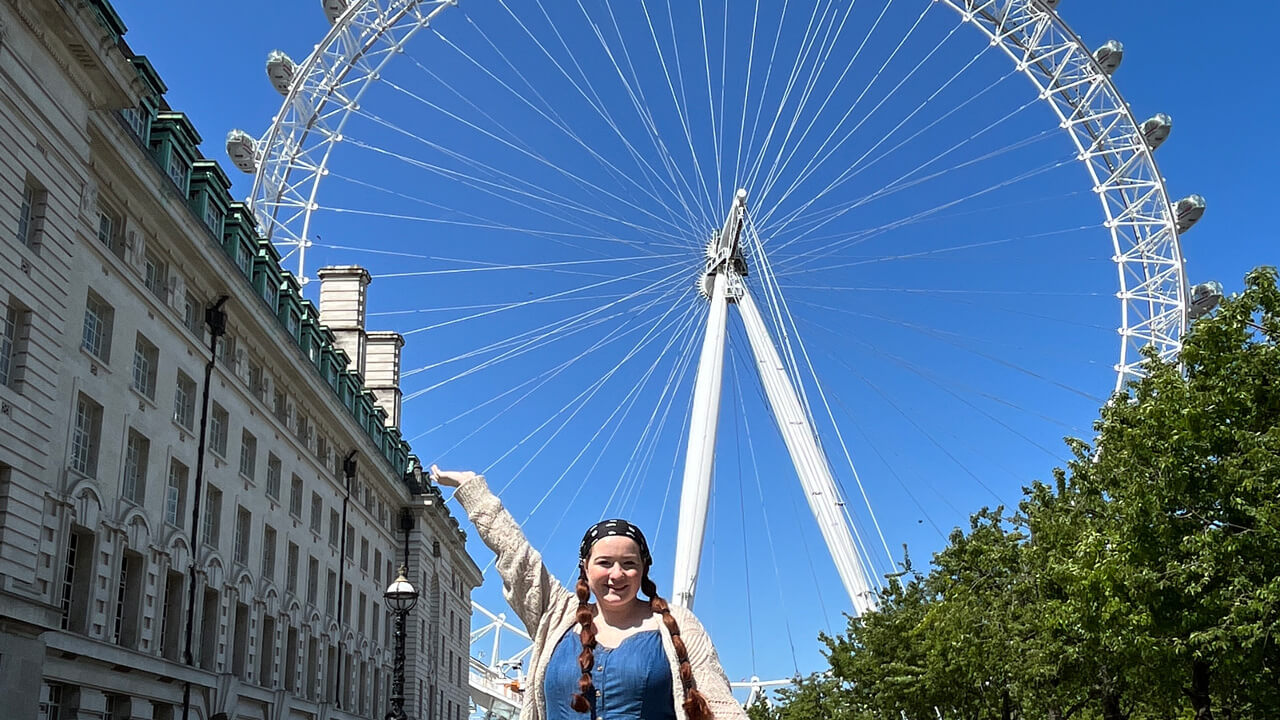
(401, 597)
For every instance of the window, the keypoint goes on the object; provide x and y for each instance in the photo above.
(273, 476)
(313, 579)
(295, 497)
(248, 454)
(213, 216)
(212, 516)
(226, 352)
(334, 530)
(98, 317)
(155, 275)
(77, 573)
(31, 213)
(322, 449)
(291, 569)
(304, 429)
(364, 554)
(330, 592)
(174, 602)
(257, 380)
(193, 315)
(145, 359)
(184, 401)
(373, 624)
(177, 169)
(364, 605)
(68, 577)
(175, 493)
(266, 654)
(317, 507)
(270, 294)
(350, 544)
(209, 630)
(218, 429)
(279, 407)
(244, 260)
(377, 566)
(269, 553)
(241, 550)
(12, 323)
(133, 486)
(139, 121)
(110, 229)
(124, 630)
(50, 702)
(85, 436)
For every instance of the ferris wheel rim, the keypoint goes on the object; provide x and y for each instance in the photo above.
(384, 21)
(1165, 327)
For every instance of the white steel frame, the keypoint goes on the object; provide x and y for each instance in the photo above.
(326, 88)
(496, 685)
(812, 469)
(295, 153)
(1152, 275)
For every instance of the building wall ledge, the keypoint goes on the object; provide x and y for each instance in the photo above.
(105, 657)
(26, 611)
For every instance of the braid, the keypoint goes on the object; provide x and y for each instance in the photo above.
(586, 660)
(695, 705)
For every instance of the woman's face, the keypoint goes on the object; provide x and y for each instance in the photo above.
(614, 571)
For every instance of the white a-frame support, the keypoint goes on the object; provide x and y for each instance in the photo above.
(723, 283)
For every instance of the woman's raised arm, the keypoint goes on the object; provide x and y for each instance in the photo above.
(526, 584)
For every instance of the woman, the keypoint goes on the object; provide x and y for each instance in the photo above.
(619, 658)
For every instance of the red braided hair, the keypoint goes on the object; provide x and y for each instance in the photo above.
(586, 659)
(695, 705)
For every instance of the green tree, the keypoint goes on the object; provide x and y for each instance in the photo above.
(1184, 485)
(881, 663)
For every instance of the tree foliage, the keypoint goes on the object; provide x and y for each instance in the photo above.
(1142, 582)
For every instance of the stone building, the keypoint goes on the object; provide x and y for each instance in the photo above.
(116, 235)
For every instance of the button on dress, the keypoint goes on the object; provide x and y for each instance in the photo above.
(632, 681)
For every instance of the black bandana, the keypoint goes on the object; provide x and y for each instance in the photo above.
(607, 528)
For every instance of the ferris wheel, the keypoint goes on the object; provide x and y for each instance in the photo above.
(570, 200)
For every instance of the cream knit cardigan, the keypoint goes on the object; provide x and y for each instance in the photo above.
(548, 610)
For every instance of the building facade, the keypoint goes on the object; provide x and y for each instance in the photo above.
(248, 498)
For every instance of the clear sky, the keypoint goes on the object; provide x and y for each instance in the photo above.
(959, 325)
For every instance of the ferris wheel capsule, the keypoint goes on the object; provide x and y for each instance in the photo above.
(242, 151)
(333, 9)
(1109, 56)
(1204, 298)
(1155, 129)
(280, 70)
(1188, 211)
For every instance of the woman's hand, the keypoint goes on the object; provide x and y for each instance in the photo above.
(449, 478)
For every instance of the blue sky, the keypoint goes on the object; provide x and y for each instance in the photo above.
(955, 351)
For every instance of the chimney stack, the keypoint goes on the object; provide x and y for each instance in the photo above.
(382, 374)
(343, 302)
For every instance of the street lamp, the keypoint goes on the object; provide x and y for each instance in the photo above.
(401, 597)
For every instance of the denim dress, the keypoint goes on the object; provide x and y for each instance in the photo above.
(633, 680)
